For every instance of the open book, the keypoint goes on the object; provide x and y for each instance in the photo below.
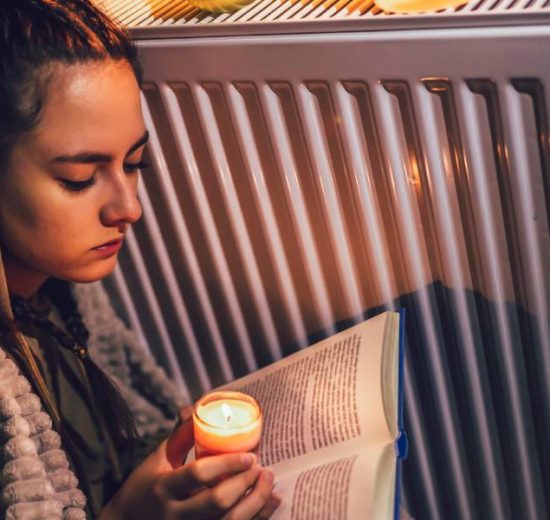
(333, 423)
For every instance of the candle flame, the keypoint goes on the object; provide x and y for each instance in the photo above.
(226, 410)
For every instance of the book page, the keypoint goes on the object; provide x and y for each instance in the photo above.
(344, 488)
(326, 395)
(390, 372)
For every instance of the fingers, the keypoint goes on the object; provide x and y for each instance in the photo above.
(181, 441)
(259, 503)
(181, 482)
(272, 503)
(185, 413)
(213, 502)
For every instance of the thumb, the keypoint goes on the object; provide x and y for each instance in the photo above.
(181, 440)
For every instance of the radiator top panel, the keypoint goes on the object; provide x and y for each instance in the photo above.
(326, 15)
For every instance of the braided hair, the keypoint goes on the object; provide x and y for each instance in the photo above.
(118, 418)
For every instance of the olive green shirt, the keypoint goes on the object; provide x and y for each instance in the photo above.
(66, 379)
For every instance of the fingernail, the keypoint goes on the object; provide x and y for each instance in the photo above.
(268, 475)
(247, 459)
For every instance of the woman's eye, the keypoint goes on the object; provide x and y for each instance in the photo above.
(77, 186)
(132, 167)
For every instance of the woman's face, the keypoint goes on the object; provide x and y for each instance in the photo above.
(70, 187)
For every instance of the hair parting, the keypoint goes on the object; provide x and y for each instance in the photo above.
(36, 36)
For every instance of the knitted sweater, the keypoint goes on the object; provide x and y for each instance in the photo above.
(36, 480)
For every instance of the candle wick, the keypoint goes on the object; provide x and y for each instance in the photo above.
(226, 410)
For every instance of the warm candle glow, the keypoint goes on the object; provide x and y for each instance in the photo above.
(219, 6)
(417, 6)
(226, 422)
(226, 410)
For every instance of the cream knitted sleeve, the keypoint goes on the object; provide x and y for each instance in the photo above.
(35, 478)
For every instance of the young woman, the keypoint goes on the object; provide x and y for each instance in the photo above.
(71, 140)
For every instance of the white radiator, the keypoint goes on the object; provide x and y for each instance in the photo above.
(305, 174)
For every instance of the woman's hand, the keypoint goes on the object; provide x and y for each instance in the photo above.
(232, 486)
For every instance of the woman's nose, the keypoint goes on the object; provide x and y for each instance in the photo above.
(122, 206)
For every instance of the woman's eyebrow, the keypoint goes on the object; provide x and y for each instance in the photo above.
(140, 142)
(95, 157)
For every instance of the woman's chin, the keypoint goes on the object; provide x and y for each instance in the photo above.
(92, 274)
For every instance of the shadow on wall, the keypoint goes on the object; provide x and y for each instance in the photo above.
(468, 368)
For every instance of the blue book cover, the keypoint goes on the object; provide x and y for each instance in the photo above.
(401, 443)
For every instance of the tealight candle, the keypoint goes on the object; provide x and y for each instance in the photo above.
(226, 422)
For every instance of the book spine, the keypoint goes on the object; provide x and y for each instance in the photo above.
(401, 443)
(401, 373)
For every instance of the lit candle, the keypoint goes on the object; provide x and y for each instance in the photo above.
(226, 422)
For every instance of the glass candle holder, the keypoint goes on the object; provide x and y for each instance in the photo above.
(226, 422)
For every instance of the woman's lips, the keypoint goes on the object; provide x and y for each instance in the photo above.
(109, 248)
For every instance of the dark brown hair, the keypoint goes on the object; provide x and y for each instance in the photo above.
(35, 35)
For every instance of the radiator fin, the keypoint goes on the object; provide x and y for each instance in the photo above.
(293, 199)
